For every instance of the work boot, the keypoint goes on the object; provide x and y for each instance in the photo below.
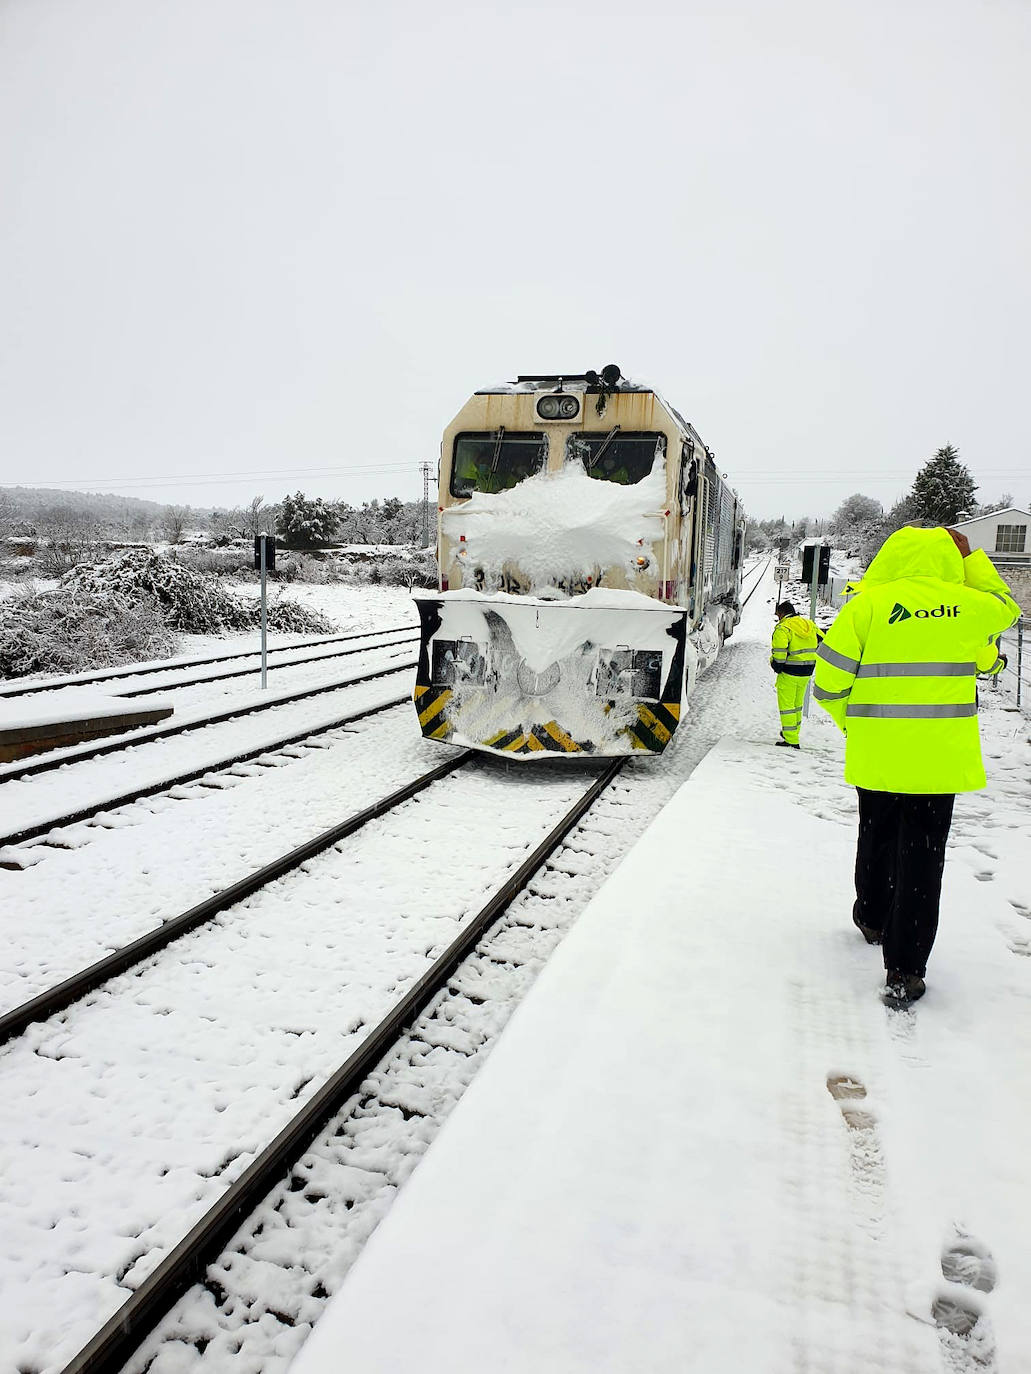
(901, 989)
(786, 744)
(870, 934)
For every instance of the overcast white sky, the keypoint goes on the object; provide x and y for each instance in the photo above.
(249, 246)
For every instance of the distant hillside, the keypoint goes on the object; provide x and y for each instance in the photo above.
(44, 506)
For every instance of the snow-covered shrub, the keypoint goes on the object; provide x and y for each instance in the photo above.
(190, 602)
(222, 562)
(62, 632)
(314, 568)
(290, 617)
(405, 568)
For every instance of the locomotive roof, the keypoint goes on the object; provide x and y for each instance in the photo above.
(548, 381)
(577, 381)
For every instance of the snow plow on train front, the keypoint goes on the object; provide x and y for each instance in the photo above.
(590, 568)
(521, 675)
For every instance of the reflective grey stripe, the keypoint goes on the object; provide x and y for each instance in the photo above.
(916, 669)
(793, 653)
(795, 711)
(849, 665)
(821, 694)
(947, 712)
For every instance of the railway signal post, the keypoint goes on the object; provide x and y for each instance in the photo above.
(816, 568)
(264, 560)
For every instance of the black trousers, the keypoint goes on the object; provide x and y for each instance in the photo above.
(899, 862)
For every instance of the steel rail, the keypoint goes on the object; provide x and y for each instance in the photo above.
(132, 738)
(33, 832)
(758, 583)
(128, 670)
(57, 998)
(406, 638)
(113, 1346)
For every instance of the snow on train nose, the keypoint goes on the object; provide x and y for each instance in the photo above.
(528, 677)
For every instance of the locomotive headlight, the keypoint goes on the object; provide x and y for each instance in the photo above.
(558, 407)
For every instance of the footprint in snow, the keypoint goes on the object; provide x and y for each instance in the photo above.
(966, 1339)
(867, 1160)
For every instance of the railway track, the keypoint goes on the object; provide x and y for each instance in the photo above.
(252, 1306)
(408, 637)
(757, 583)
(73, 989)
(98, 1022)
(133, 738)
(130, 670)
(114, 1345)
(271, 749)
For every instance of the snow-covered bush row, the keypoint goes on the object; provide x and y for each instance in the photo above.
(54, 632)
(400, 568)
(190, 602)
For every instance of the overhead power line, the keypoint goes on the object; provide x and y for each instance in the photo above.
(196, 479)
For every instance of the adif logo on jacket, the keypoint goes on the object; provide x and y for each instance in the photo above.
(899, 612)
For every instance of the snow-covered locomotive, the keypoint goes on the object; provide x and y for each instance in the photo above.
(590, 568)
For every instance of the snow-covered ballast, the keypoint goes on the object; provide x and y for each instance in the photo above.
(590, 560)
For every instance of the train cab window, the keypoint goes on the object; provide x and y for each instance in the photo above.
(615, 456)
(494, 461)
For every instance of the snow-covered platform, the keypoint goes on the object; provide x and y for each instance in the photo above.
(703, 1144)
(68, 716)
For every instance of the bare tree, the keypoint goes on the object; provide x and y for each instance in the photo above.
(8, 514)
(173, 523)
(140, 526)
(259, 518)
(69, 535)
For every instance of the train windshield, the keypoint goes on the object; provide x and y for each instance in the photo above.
(616, 456)
(495, 461)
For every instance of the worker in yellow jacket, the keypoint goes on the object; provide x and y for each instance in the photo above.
(897, 672)
(792, 658)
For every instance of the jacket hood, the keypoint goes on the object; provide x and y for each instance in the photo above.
(916, 553)
(799, 624)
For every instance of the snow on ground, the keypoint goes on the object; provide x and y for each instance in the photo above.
(213, 1050)
(118, 880)
(127, 1116)
(353, 608)
(703, 1144)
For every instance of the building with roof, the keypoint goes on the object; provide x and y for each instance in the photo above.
(1005, 536)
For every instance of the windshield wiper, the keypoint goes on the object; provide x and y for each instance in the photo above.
(593, 462)
(498, 441)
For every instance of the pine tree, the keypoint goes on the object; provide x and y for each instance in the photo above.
(304, 521)
(943, 487)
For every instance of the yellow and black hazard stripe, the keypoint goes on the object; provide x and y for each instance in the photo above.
(549, 738)
(430, 703)
(655, 724)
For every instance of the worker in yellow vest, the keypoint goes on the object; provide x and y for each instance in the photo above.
(897, 672)
(792, 658)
